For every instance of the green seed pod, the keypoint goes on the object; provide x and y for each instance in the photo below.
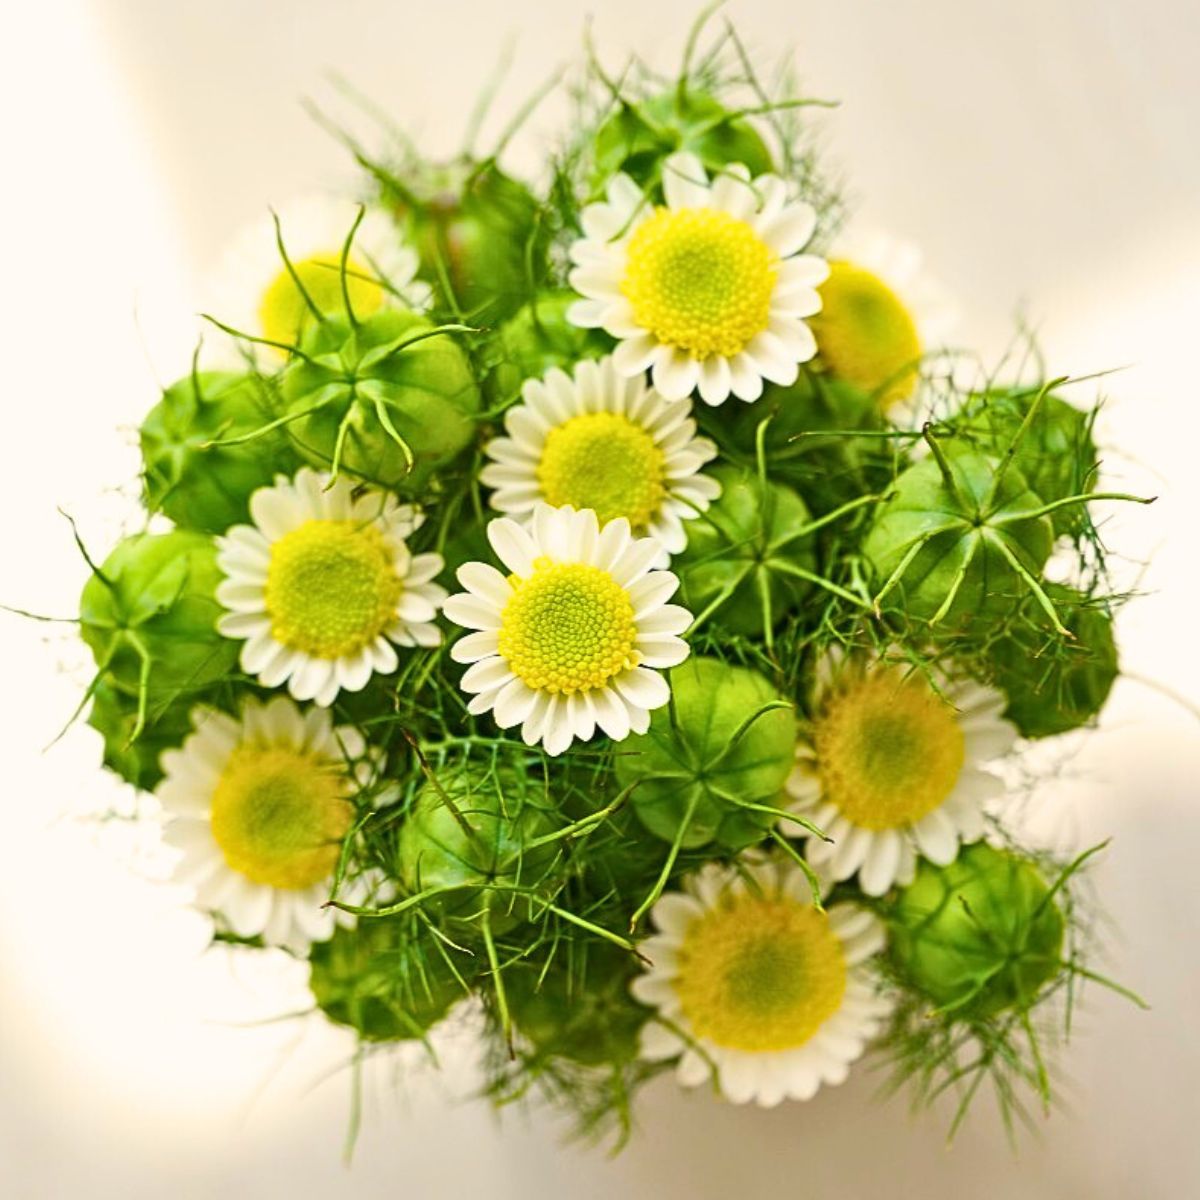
(1057, 455)
(204, 486)
(742, 553)
(383, 372)
(689, 760)
(151, 608)
(580, 1007)
(468, 834)
(382, 981)
(114, 716)
(980, 936)
(536, 338)
(1053, 684)
(954, 542)
(636, 138)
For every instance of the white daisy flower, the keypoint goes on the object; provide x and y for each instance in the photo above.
(258, 808)
(888, 769)
(881, 314)
(755, 983)
(708, 290)
(323, 583)
(598, 440)
(255, 293)
(575, 636)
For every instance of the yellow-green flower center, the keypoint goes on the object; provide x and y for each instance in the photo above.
(889, 749)
(760, 972)
(283, 314)
(332, 587)
(699, 279)
(279, 815)
(567, 628)
(605, 462)
(865, 335)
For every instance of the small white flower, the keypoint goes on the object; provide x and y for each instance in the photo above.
(750, 979)
(888, 769)
(323, 583)
(258, 808)
(573, 639)
(598, 440)
(708, 291)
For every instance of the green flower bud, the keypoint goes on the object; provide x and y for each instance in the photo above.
(114, 716)
(636, 138)
(741, 553)
(945, 546)
(380, 980)
(1052, 684)
(688, 761)
(980, 936)
(204, 486)
(423, 386)
(151, 608)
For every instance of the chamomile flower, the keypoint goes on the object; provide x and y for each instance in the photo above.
(595, 439)
(573, 638)
(259, 806)
(755, 983)
(890, 769)
(881, 314)
(255, 292)
(706, 291)
(322, 585)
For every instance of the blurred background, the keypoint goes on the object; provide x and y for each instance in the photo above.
(1043, 154)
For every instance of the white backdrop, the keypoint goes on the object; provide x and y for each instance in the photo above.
(1043, 153)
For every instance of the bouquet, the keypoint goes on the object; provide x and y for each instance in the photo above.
(609, 606)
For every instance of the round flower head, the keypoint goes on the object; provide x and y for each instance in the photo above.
(598, 440)
(754, 982)
(880, 314)
(888, 768)
(574, 636)
(708, 290)
(256, 293)
(259, 807)
(322, 584)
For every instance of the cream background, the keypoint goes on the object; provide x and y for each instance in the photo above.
(1040, 151)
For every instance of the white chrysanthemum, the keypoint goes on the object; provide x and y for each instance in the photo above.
(888, 769)
(708, 291)
(323, 583)
(598, 440)
(574, 637)
(750, 979)
(881, 315)
(258, 808)
(255, 293)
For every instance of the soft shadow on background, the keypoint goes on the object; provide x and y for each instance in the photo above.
(1045, 157)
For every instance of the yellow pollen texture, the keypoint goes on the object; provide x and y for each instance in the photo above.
(332, 587)
(605, 462)
(760, 972)
(865, 335)
(279, 815)
(283, 314)
(567, 628)
(699, 279)
(889, 749)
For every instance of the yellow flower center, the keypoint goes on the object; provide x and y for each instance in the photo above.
(279, 815)
(865, 335)
(699, 279)
(889, 749)
(567, 628)
(760, 972)
(283, 314)
(332, 587)
(605, 462)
